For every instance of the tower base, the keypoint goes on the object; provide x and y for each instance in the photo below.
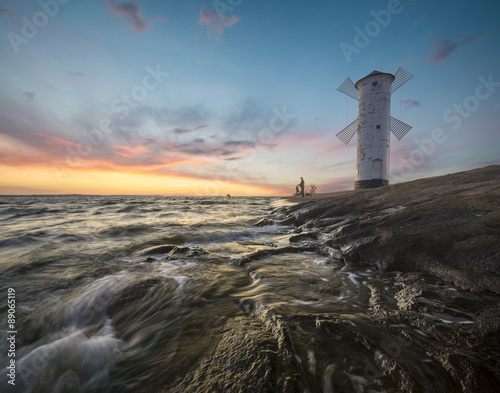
(373, 183)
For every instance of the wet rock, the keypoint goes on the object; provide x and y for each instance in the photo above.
(165, 249)
(172, 250)
(447, 226)
(254, 256)
(264, 222)
(303, 237)
(246, 359)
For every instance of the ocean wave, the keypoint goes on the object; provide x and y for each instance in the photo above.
(129, 209)
(25, 239)
(24, 212)
(213, 202)
(126, 230)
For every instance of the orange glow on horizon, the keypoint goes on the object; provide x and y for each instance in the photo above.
(92, 182)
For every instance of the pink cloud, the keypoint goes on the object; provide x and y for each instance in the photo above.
(443, 48)
(135, 18)
(216, 23)
(8, 12)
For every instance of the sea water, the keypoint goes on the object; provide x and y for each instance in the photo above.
(147, 294)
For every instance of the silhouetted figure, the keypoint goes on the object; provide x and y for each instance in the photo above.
(297, 189)
(301, 184)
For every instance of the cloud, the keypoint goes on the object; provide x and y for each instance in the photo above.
(444, 47)
(77, 74)
(216, 23)
(180, 131)
(188, 117)
(133, 14)
(8, 12)
(30, 95)
(151, 140)
(408, 60)
(409, 103)
(248, 116)
(6, 190)
(240, 143)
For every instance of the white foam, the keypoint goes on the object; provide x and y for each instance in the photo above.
(312, 362)
(353, 277)
(90, 306)
(395, 209)
(73, 359)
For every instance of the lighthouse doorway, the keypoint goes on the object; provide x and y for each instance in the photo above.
(377, 169)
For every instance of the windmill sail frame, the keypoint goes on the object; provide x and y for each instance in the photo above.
(400, 78)
(348, 132)
(348, 88)
(399, 128)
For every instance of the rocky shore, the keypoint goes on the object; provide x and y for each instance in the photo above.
(435, 232)
(395, 289)
(447, 226)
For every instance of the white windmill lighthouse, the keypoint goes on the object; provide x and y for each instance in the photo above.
(373, 124)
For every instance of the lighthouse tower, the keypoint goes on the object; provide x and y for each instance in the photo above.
(373, 125)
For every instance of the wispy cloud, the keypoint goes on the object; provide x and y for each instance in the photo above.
(132, 12)
(7, 12)
(409, 103)
(215, 23)
(180, 131)
(240, 143)
(77, 74)
(30, 95)
(167, 141)
(442, 48)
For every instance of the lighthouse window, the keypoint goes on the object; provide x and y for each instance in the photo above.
(375, 86)
(378, 126)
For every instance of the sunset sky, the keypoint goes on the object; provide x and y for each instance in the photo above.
(236, 96)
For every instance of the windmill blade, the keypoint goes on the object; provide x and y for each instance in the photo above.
(347, 133)
(398, 128)
(347, 87)
(400, 78)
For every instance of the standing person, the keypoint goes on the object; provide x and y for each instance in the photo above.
(301, 184)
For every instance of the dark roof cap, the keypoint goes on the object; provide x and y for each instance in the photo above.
(374, 72)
